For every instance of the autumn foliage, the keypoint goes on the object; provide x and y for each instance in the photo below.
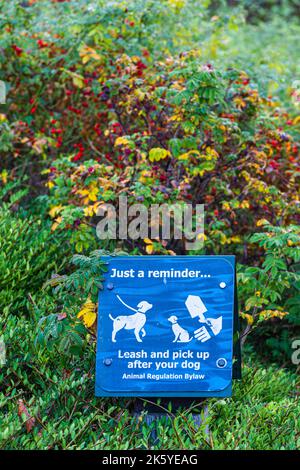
(178, 130)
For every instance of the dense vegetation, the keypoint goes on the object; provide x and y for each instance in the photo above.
(151, 101)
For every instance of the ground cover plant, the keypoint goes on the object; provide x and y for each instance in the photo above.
(49, 403)
(150, 101)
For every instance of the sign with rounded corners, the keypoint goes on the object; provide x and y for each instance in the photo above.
(165, 326)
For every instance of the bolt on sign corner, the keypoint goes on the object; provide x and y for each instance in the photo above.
(166, 326)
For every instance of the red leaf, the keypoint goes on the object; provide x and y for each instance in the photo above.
(61, 316)
(23, 410)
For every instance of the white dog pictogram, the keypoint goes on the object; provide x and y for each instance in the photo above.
(181, 335)
(134, 322)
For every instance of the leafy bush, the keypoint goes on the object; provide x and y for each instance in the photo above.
(29, 254)
(63, 330)
(271, 292)
(195, 135)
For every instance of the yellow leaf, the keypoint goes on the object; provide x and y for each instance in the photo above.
(235, 239)
(148, 241)
(244, 205)
(226, 206)
(93, 194)
(86, 53)
(85, 59)
(78, 82)
(175, 117)
(139, 94)
(176, 3)
(88, 313)
(89, 194)
(145, 177)
(261, 222)
(186, 155)
(55, 210)
(149, 249)
(248, 317)
(223, 239)
(211, 154)
(268, 314)
(157, 154)
(240, 103)
(89, 211)
(39, 145)
(121, 141)
(3, 176)
(202, 236)
(296, 120)
(56, 223)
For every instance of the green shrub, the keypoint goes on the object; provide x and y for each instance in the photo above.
(29, 255)
(269, 293)
(46, 403)
(61, 329)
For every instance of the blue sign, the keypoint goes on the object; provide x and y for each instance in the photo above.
(165, 326)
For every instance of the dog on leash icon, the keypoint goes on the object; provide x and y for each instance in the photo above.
(133, 322)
